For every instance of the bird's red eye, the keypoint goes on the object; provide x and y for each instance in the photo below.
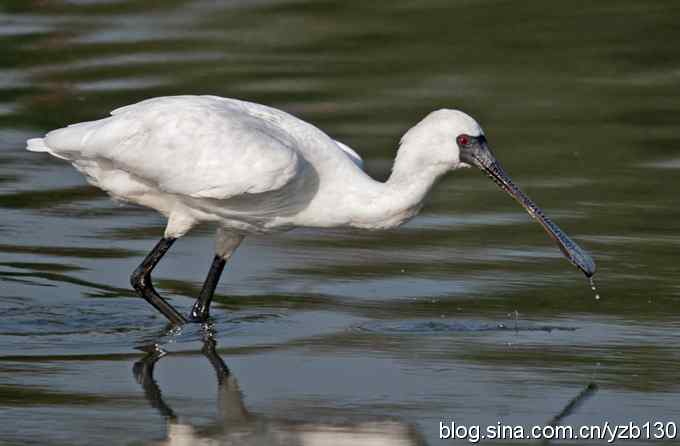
(463, 140)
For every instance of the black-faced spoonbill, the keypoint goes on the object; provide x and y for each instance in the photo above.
(255, 169)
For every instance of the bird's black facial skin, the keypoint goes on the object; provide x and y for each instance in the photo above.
(475, 151)
(472, 147)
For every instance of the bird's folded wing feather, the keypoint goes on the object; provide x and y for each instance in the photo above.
(196, 148)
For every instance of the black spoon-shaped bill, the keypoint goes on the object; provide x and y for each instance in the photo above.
(476, 152)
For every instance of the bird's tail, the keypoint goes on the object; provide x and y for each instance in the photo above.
(38, 145)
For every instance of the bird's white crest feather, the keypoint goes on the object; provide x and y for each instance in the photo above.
(356, 159)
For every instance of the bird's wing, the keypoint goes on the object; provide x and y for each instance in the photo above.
(191, 146)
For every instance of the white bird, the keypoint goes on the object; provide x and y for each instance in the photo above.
(252, 169)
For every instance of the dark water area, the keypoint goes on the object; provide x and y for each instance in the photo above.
(467, 313)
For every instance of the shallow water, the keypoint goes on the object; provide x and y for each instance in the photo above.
(468, 313)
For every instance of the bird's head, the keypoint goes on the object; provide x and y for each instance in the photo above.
(450, 139)
(435, 141)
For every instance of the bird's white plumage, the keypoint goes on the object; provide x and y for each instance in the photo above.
(250, 167)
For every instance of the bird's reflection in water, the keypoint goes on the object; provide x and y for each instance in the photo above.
(236, 425)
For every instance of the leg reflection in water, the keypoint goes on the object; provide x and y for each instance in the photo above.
(236, 426)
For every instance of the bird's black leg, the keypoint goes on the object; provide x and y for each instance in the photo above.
(201, 309)
(141, 281)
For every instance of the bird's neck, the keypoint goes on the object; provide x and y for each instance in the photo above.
(401, 197)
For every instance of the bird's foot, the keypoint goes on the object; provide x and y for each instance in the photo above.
(199, 314)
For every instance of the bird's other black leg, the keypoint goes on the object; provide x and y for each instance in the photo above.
(141, 281)
(227, 242)
(201, 308)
